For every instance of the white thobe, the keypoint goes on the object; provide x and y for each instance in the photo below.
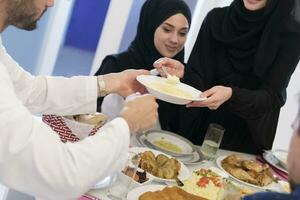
(32, 158)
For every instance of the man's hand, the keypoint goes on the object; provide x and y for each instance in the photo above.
(124, 83)
(173, 67)
(140, 113)
(216, 96)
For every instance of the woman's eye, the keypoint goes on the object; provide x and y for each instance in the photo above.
(183, 34)
(167, 30)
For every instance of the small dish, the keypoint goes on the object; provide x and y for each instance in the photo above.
(135, 183)
(192, 159)
(180, 93)
(170, 143)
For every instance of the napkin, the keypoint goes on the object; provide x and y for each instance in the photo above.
(69, 130)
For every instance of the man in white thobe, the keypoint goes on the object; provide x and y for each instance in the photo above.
(32, 158)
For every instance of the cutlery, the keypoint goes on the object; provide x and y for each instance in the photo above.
(179, 182)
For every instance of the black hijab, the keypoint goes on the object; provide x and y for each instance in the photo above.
(142, 52)
(252, 37)
(153, 14)
(249, 52)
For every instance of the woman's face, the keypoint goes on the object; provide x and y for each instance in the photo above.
(255, 4)
(170, 36)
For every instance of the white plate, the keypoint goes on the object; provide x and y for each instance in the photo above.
(272, 160)
(147, 80)
(183, 174)
(273, 186)
(282, 156)
(137, 192)
(187, 148)
(193, 159)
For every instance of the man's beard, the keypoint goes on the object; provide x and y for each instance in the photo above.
(21, 14)
(293, 185)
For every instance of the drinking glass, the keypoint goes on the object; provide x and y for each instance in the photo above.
(119, 190)
(212, 141)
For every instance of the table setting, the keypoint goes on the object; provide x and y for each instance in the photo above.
(190, 174)
(165, 163)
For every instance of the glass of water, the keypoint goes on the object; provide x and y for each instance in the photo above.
(119, 190)
(212, 141)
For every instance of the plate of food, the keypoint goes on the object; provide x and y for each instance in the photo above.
(206, 183)
(192, 159)
(172, 92)
(160, 166)
(248, 172)
(170, 143)
(156, 192)
(137, 192)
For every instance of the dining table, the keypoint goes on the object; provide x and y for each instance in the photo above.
(101, 193)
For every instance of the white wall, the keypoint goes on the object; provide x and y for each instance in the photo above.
(36, 51)
(24, 46)
(112, 32)
(288, 113)
(54, 36)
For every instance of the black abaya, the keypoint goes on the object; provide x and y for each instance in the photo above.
(254, 53)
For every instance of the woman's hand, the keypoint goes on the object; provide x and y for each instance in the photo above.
(173, 67)
(216, 96)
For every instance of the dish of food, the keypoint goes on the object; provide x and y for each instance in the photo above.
(139, 176)
(167, 145)
(160, 166)
(179, 93)
(193, 158)
(248, 172)
(169, 142)
(171, 89)
(205, 183)
(169, 193)
(135, 193)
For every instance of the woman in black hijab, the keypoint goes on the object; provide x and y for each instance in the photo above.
(159, 34)
(243, 59)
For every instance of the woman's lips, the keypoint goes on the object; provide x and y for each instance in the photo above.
(253, 1)
(171, 48)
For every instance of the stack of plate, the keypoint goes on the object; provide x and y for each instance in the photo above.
(172, 144)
